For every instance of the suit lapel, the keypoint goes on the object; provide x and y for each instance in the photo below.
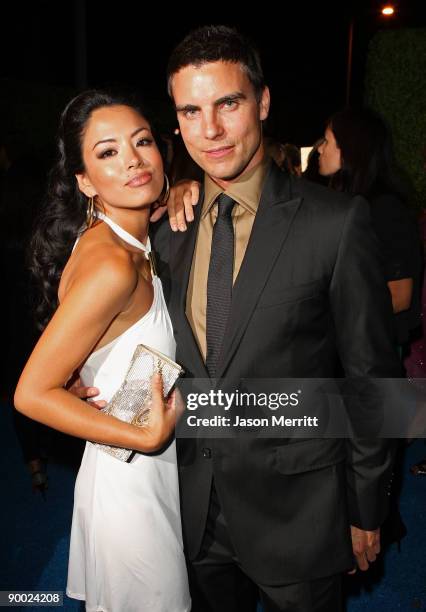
(277, 209)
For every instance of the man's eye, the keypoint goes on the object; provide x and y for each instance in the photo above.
(229, 104)
(190, 113)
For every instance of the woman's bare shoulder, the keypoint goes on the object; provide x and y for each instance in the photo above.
(100, 260)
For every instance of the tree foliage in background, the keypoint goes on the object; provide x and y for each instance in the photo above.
(396, 88)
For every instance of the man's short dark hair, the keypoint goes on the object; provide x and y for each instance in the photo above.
(214, 44)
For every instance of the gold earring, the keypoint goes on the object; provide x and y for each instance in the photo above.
(90, 214)
(166, 188)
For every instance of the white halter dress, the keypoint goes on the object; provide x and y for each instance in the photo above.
(126, 551)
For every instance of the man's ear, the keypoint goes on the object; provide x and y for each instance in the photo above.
(85, 185)
(264, 104)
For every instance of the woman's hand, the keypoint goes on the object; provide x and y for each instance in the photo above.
(182, 198)
(162, 417)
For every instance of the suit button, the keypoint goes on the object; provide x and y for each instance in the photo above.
(207, 453)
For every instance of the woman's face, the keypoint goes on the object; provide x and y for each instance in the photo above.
(330, 160)
(123, 166)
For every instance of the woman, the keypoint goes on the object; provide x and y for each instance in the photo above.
(356, 154)
(126, 545)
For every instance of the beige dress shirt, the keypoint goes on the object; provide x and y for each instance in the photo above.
(246, 192)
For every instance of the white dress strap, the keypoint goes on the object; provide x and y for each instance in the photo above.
(117, 229)
(127, 237)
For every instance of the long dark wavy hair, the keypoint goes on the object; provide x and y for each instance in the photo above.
(63, 213)
(368, 166)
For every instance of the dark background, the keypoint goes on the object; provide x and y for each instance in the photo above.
(304, 45)
(49, 50)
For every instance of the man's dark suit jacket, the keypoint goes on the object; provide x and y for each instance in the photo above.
(310, 293)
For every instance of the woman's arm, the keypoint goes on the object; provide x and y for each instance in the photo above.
(97, 295)
(398, 234)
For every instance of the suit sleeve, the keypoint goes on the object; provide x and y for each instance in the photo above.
(362, 313)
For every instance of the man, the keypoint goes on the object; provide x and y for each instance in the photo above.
(276, 278)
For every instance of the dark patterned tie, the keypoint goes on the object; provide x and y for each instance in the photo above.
(219, 281)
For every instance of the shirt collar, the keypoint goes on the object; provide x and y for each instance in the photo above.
(246, 190)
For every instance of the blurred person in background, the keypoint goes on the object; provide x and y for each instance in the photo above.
(357, 156)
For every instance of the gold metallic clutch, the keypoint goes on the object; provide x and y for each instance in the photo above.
(131, 403)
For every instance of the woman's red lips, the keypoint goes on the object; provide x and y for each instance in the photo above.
(139, 180)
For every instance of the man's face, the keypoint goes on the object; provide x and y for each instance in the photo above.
(220, 118)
